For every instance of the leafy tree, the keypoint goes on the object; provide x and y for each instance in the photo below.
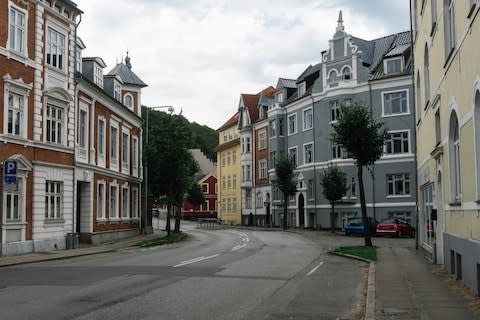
(195, 195)
(363, 138)
(171, 164)
(285, 181)
(334, 184)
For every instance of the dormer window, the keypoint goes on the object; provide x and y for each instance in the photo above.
(301, 89)
(280, 97)
(128, 101)
(117, 90)
(394, 65)
(346, 73)
(98, 76)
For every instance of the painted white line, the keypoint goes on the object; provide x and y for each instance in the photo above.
(314, 269)
(236, 248)
(195, 260)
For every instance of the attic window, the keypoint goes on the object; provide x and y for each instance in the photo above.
(393, 65)
(301, 89)
(332, 77)
(128, 101)
(116, 90)
(346, 73)
(98, 76)
(280, 97)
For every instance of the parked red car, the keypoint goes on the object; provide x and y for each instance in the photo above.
(395, 227)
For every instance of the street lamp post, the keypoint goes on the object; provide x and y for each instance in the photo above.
(145, 213)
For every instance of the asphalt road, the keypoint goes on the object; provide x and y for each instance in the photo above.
(214, 274)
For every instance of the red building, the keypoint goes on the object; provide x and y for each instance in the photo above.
(209, 208)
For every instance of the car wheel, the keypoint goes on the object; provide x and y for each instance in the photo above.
(347, 234)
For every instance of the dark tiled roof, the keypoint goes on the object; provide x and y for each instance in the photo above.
(127, 75)
(367, 48)
(287, 83)
(309, 71)
(250, 101)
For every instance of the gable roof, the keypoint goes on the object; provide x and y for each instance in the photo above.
(286, 83)
(230, 122)
(250, 101)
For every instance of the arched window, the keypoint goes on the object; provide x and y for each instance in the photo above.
(454, 158)
(332, 76)
(128, 101)
(346, 73)
(418, 102)
(477, 137)
(426, 75)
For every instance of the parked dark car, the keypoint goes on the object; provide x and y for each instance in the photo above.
(395, 227)
(355, 226)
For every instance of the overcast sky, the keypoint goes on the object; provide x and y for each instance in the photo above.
(199, 55)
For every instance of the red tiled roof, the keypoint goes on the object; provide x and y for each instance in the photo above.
(268, 92)
(233, 120)
(250, 101)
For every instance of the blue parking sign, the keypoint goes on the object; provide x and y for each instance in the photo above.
(10, 171)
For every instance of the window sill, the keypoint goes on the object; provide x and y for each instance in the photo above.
(398, 196)
(56, 70)
(456, 203)
(14, 223)
(54, 221)
(101, 221)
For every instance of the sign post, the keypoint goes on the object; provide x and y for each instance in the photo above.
(10, 173)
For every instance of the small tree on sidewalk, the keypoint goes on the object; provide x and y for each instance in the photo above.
(285, 182)
(334, 184)
(363, 138)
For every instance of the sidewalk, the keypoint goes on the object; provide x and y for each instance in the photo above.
(85, 250)
(409, 287)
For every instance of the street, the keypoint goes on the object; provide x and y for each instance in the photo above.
(214, 274)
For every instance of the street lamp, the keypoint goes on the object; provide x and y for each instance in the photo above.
(170, 109)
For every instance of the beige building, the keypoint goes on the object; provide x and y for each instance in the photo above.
(447, 82)
(228, 172)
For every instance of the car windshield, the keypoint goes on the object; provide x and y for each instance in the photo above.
(389, 221)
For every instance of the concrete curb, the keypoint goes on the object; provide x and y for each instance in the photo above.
(370, 300)
(20, 261)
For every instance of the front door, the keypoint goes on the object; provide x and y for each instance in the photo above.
(301, 210)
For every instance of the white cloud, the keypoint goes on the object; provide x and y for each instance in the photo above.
(200, 55)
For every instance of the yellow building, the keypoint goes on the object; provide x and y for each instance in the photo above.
(228, 172)
(447, 81)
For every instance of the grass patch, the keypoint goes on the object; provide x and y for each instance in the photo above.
(174, 237)
(369, 253)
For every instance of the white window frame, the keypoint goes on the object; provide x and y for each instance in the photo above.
(135, 202)
(98, 75)
(126, 205)
(301, 89)
(117, 90)
(294, 116)
(56, 121)
(332, 80)
(349, 73)
(305, 153)
(262, 169)
(101, 141)
(59, 32)
(392, 179)
(353, 188)
(449, 22)
(18, 115)
(334, 110)
(296, 154)
(20, 89)
(262, 139)
(19, 192)
(248, 172)
(306, 124)
(206, 189)
(391, 141)
(57, 195)
(407, 112)
(115, 216)
(23, 51)
(134, 155)
(248, 146)
(336, 151)
(280, 97)
(83, 136)
(101, 195)
(114, 161)
(455, 158)
(272, 125)
(128, 95)
(281, 127)
(386, 61)
(125, 153)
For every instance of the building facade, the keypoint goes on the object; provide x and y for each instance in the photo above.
(37, 59)
(447, 82)
(108, 170)
(375, 73)
(228, 172)
(254, 161)
(208, 209)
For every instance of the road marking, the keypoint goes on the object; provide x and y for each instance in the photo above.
(314, 269)
(240, 246)
(195, 260)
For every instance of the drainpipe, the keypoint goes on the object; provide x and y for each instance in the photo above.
(373, 165)
(414, 111)
(314, 162)
(75, 82)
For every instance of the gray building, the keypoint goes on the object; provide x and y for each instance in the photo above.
(376, 73)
